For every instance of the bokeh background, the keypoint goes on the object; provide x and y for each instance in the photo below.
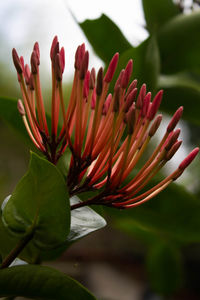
(151, 252)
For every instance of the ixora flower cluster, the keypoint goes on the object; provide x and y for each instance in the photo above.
(107, 134)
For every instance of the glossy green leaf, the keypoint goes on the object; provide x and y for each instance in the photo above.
(146, 63)
(40, 282)
(182, 89)
(158, 12)
(179, 43)
(164, 268)
(105, 37)
(40, 201)
(83, 222)
(172, 215)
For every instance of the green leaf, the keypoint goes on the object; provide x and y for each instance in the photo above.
(179, 43)
(84, 220)
(158, 12)
(172, 215)
(40, 201)
(164, 268)
(146, 63)
(181, 89)
(40, 282)
(105, 37)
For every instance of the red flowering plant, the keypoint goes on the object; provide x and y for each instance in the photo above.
(107, 135)
(94, 125)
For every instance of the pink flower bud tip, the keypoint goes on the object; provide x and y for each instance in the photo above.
(92, 79)
(111, 68)
(127, 74)
(58, 68)
(17, 61)
(84, 65)
(155, 125)
(146, 103)
(99, 81)
(107, 104)
(22, 63)
(86, 84)
(55, 41)
(172, 138)
(176, 117)
(62, 57)
(37, 50)
(155, 105)
(185, 163)
(141, 96)
(130, 99)
(34, 62)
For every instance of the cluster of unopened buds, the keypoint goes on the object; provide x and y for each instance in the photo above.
(107, 134)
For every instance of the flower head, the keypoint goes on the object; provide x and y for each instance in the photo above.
(106, 133)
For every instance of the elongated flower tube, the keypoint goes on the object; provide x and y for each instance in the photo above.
(106, 133)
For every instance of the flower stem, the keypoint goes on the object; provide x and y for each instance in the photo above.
(18, 248)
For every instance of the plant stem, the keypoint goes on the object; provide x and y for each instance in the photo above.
(15, 252)
(81, 204)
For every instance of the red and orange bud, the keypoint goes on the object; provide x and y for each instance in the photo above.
(127, 74)
(145, 105)
(84, 65)
(130, 99)
(54, 43)
(92, 79)
(99, 82)
(37, 51)
(130, 119)
(54, 53)
(173, 150)
(80, 52)
(155, 105)
(16, 61)
(172, 139)
(111, 68)
(34, 64)
(119, 79)
(62, 58)
(187, 161)
(106, 104)
(176, 117)
(155, 125)
(131, 87)
(58, 67)
(22, 63)
(94, 98)
(86, 85)
(141, 96)
(20, 107)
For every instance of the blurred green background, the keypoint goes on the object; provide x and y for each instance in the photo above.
(153, 251)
